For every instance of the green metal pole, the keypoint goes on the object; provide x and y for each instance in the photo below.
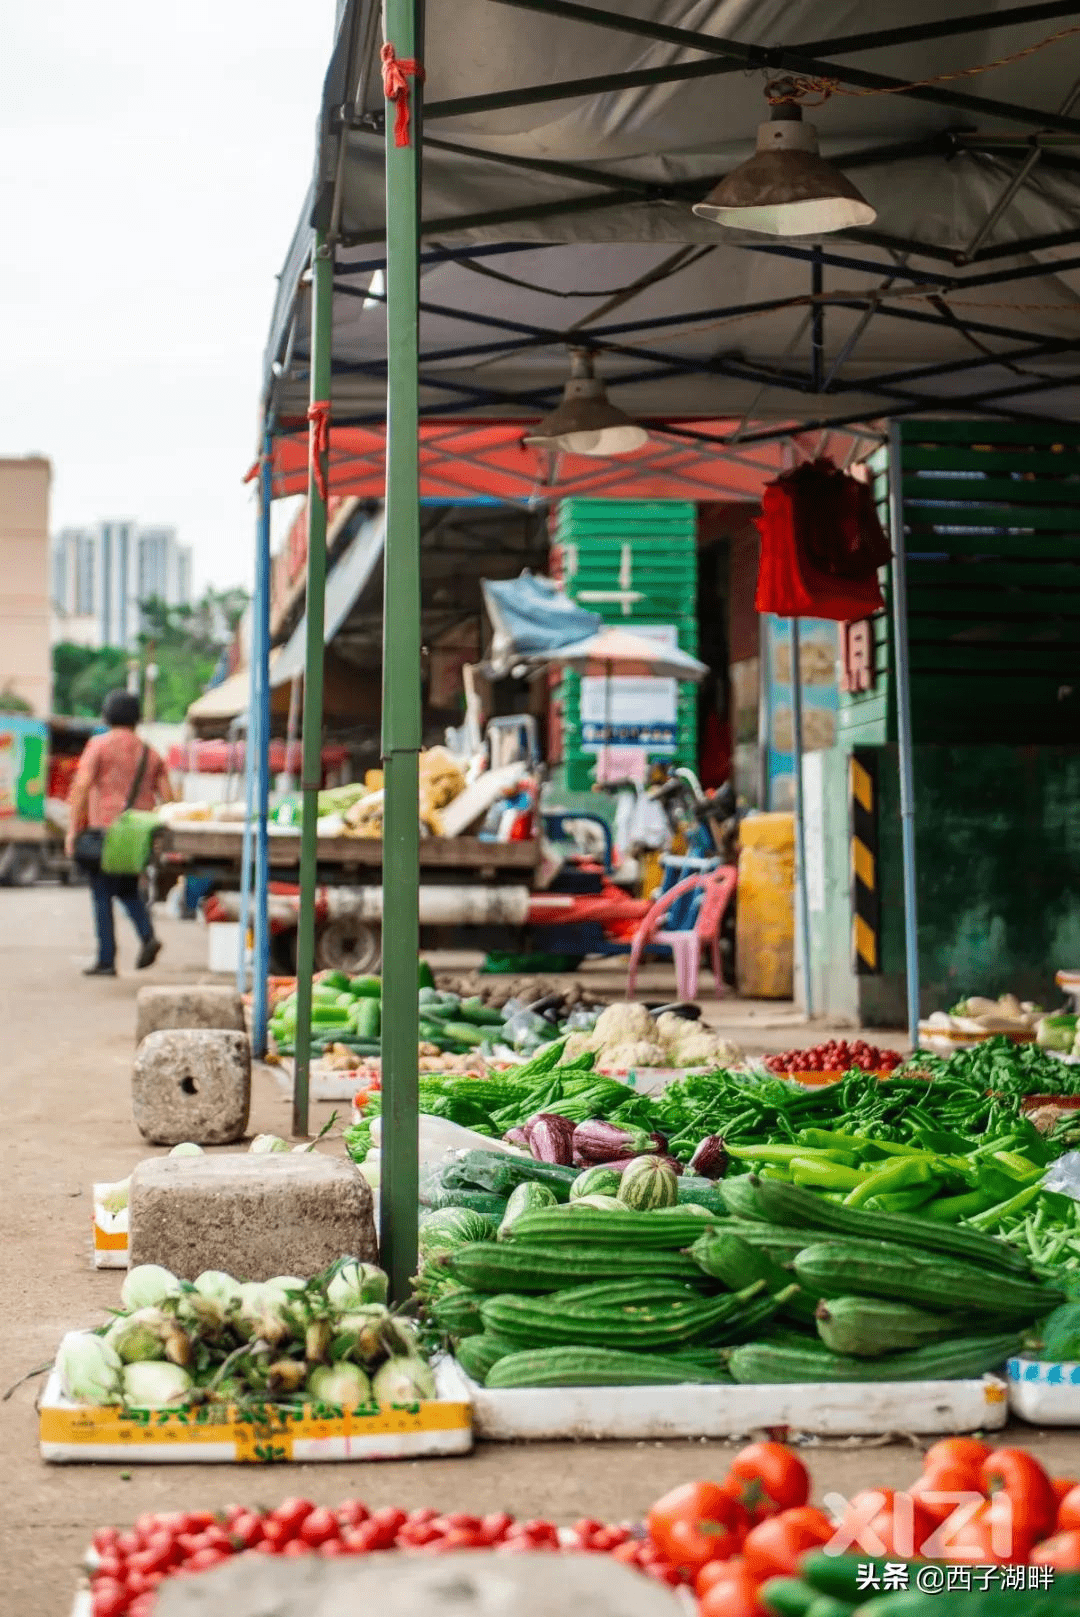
(401, 728)
(322, 293)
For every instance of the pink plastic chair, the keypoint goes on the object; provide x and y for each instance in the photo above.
(686, 946)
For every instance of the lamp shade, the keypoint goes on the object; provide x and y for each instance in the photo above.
(586, 422)
(786, 188)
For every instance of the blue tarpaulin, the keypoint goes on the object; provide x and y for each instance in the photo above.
(532, 615)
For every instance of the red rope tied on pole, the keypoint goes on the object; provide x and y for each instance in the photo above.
(254, 469)
(396, 73)
(319, 417)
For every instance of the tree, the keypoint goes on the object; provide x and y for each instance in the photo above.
(84, 675)
(185, 643)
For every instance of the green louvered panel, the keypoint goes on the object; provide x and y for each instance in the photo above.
(992, 538)
(641, 557)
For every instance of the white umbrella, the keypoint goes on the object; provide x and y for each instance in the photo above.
(621, 650)
(628, 653)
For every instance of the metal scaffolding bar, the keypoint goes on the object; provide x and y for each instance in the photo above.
(260, 656)
(902, 683)
(322, 273)
(401, 716)
(781, 58)
(803, 896)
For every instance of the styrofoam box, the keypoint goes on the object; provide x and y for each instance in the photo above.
(1045, 1392)
(222, 946)
(110, 1234)
(72, 1432)
(824, 1409)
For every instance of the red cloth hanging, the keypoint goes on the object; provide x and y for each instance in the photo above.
(821, 546)
(319, 417)
(397, 71)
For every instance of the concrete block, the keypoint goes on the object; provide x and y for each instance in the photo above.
(253, 1216)
(192, 1084)
(194, 1006)
(472, 1583)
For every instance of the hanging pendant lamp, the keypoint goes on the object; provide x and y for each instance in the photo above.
(585, 422)
(786, 188)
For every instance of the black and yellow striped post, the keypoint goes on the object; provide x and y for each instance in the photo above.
(865, 900)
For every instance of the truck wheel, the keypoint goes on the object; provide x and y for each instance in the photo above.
(351, 946)
(23, 869)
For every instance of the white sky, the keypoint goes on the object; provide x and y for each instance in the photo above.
(153, 160)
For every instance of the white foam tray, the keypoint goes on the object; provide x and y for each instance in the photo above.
(74, 1433)
(823, 1409)
(1045, 1392)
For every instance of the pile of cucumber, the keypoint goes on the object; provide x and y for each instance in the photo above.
(348, 1011)
(538, 1281)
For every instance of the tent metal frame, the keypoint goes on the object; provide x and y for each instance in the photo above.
(410, 242)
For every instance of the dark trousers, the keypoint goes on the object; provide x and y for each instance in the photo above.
(103, 889)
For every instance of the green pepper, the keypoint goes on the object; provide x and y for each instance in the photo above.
(899, 1174)
(784, 1153)
(951, 1209)
(903, 1201)
(1017, 1166)
(818, 1174)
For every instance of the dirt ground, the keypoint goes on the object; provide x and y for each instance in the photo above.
(64, 1090)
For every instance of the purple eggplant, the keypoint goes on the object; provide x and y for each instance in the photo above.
(710, 1159)
(516, 1137)
(551, 1138)
(596, 1141)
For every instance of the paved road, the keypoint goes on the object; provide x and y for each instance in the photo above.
(64, 1093)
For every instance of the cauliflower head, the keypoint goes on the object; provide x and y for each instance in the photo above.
(671, 1028)
(703, 1048)
(623, 1023)
(632, 1053)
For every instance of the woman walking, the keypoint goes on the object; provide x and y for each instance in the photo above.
(116, 772)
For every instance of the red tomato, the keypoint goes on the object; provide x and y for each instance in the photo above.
(296, 1546)
(246, 1530)
(203, 1560)
(767, 1478)
(964, 1451)
(143, 1606)
(1068, 1514)
(351, 1512)
(128, 1543)
(290, 1513)
(457, 1521)
(457, 1538)
(110, 1565)
(903, 1527)
(104, 1539)
(986, 1540)
(276, 1534)
(414, 1535)
(361, 1540)
(319, 1526)
(495, 1526)
(609, 1538)
(663, 1572)
(425, 1513)
(944, 1479)
(389, 1519)
(630, 1553)
(332, 1547)
(159, 1553)
(775, 1546)
(109, 1599)
(1061, 1551)
(586, 1529)
(375, 1535)
(734, 1595)
(699, 1522)
(718, 1572)
(1018, 1474)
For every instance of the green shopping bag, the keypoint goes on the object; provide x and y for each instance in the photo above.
(128, 841)
(126, 848)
